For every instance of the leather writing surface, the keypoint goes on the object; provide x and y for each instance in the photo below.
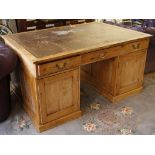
(52, 41)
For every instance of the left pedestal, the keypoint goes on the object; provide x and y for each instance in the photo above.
(51, 100)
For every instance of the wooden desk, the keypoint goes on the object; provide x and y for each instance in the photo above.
(50, 62)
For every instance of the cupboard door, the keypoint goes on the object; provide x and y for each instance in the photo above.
(131, 71)
(59, 95)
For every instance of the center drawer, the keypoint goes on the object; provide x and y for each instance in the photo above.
(90, 57)
(57, 66)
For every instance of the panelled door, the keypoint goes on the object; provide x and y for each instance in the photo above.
(59, 95)
(131, 71)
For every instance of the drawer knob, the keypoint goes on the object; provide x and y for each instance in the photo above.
(61, 65)
(102, 55)
(135, 46)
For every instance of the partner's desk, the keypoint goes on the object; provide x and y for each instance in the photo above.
(52, 62)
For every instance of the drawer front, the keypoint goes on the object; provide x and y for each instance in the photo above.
(110, 52)
(90, 57)
(136, 46)
(57, 66)
(125, 49)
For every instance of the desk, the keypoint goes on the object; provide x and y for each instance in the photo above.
(52, 62)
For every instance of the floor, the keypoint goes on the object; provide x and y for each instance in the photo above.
(132, 116)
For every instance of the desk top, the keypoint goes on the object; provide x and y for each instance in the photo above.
(53, 43)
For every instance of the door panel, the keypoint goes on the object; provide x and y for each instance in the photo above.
(59, 95)
(131, 71)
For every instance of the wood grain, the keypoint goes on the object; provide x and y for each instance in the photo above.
(60, 95)
(111, 60)
(54, 43)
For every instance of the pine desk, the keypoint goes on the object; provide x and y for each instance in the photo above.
(52, 62)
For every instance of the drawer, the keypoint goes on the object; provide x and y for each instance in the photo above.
(90, 57)
(57, 66)
(124, 49)
(136, 46)
(110, 52)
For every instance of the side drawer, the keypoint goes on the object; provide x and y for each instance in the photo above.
(90, 57)
(136, 46)
(57, 66)
(124, 49)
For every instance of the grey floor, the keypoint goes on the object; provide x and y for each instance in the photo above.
(107, 118)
